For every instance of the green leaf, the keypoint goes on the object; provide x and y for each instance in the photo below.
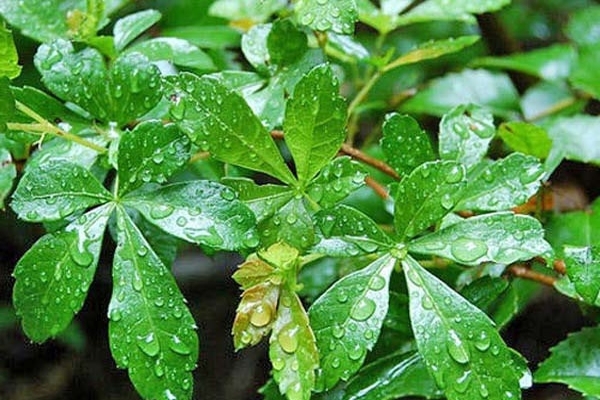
(584, 26)
(526, 138)
(549, 63)
(348, 232)
(502, 184)
(574, 362)
(395, 376)
(578, 228)
(576, 137)
(59, 149)
(291, 224)
(404, 144)
(9, 64)
(220, 121)
(315, 118)
(151, 331)
(7, 103)
(41, 20)
(432, 10)
(336, 181)
(125, 92)
(347, 319)
(458, 342)
(432, 49)
(501, 237)
(319, 15)
(263, 200)
(285, 42)
(8, 173)
(240, 10)
(151, 152)
(584, 74)
(53, 277)
(465, 134)
(425, 196)
(200, 212)
(206, 37)
(292, 349)
(128, 28)
(493, 90)
(583, 269)
(56, 189)
(255, 46)
(549, 99)
(177, 51)
(255, 314)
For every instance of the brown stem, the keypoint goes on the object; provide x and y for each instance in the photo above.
(560, 267)
(522, 271)
(377, 187)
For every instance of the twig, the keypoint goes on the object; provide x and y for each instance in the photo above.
(377, 187)
(560, 267)
(523, 271)
(364, 91)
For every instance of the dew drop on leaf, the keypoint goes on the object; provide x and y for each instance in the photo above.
(363, 309)
(462, 383)
(454, 175)
(483, 391)
(467, 250)
(446, 201)
(82, 258)
(356, 352)
(456, 348)
(178, 346)
(161, 211)
(278, 363)
(342, 296)
(148, 344)
(261, 315)
(482, 341)
(288, 339)
(338, 331)
(159, 371)
(426, 302)
(377, 283)
(115, 315)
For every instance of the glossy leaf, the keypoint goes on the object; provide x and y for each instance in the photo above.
(128, 90)
(398, 375)
(292, 349)
(449, 10)
(56, 189)
(577, 228)
(574, 362)
(291, 224)
(576, 137)
(285, 42)
(347, 319)
(128, 28)
(200, 212)
(584, 74)
(336, 181)
(500, 237)
(8, 173)
(431, 50)
(206, 36)
(583, 270)
(177, 51)
(263, 200)
(151, 331)
(493, 90)
(220, 121)
(255, 47)
(338, 16)
(54, 275)
(255, 314)
(465, 134)
(9, 64)
(459, 343)
(502, 184)
(314, 122)
(151, 152)
(7, 103)
(549, 63)
(526, 138)
(404, 144)
(245, 10)
(348, 232)
(425, 196)
(584, 26)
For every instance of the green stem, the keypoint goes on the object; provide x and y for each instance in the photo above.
(364, 91)
(43, 127)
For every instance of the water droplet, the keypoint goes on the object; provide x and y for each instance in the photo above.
(158, 157)
(482, 341)
(307, 18)
(377, 283)
(335, 363)
(468, 250)
(228, 194)
(456, 348)
(82, 258)
(483, 391)
(495, 350)
(181, 221)
(115, 315)
(454, 174)
(261, 315)
(137, 283)
(447, 201)
(159, 371)
(178, 346)
(161, 211)
(356, 352)
(363, 309)
(278, 363)
(338, 331)
(148, 344)
(288, 339)
(291, 218)
(342, 296)
(529, 175)
(462, 383)
(426, 302)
